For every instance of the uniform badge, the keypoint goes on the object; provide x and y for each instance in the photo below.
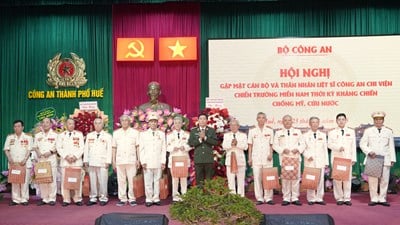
(66, 72)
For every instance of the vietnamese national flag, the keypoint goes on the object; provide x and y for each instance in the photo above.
(135, 49)
(178, 48)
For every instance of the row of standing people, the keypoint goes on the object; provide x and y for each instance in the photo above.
(127, 150)
(313, 145)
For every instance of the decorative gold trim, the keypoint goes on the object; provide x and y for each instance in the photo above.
(66, 72)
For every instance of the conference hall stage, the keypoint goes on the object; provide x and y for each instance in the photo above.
(357, 214)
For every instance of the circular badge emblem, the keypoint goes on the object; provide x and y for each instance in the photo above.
(66, 68)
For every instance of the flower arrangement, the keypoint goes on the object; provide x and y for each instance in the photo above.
(140, 121)
(3, 182)
(57, 124)
(328, 179)
(84, 120)
(219, 120)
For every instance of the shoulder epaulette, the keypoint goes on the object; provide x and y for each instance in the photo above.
(389, 128)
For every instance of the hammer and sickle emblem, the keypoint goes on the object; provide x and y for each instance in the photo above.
(137, 52)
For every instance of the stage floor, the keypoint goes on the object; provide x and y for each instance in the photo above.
(357, 214)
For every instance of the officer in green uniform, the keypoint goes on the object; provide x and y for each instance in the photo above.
(202, 138)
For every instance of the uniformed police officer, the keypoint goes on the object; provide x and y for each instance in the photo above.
(288, 142)
(45, 147)
(342, 143)
(316, 156)
(203, 138)
(378, 140)
(235, 142)
(152, 150)
(70, 146)
(260, 142)
(98, 157)
(125, 159)
(18, 148)
(177, 145)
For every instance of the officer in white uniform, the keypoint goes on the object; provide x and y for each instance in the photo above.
(260, 142)
(378, 140)
(235, 142)
(288, 142)
(98, 157)
(177, 145)
(316, 156)
(152, 150)
(125, 159)
(18, 148)
(342, 143)
(45, 147)
(70, 146)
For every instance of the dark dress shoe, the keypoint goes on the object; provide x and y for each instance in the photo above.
(372, 203)
(311, 203)
(12, 203)
(285, 203)
(270, 202)
(103, 203)
(348, 203)
(157, 203)
(148, 204)
(78, 203)
(321, 203)
(298, 203)
(41, 203)
(64, 204)
(387, 204)
(25, 203)
(259, 203)
(339, 203)
(52, 203)
(90, 203)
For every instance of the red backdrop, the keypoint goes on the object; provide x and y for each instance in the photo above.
(180, 81)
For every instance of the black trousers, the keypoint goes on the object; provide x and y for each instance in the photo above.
(204, 171)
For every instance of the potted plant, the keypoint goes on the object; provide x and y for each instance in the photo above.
(214, 204)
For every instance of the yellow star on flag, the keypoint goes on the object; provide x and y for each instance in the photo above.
(177, 49)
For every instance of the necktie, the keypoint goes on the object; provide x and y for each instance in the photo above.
(342, 132)
(69, 134)
(315, 135)
(179, 136)
(234, 136)
(288, 132)
(153, 133)
(379, 130)
(98, 136)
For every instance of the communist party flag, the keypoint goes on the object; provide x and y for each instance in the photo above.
(178, 48)
(135, 49)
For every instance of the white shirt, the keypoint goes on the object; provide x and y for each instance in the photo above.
(347, 140)
(173, 141)
(382, 143)
(98, 149)
(152, 148)
(18, 147)
(70, 144)
(291, 141)
(261, 141)
(239, 149)
(317, 148)
(125, 142)
(46, 142)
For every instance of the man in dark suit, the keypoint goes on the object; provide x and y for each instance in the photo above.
(202, 138)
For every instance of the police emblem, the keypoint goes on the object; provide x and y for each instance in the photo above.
(66, 72)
